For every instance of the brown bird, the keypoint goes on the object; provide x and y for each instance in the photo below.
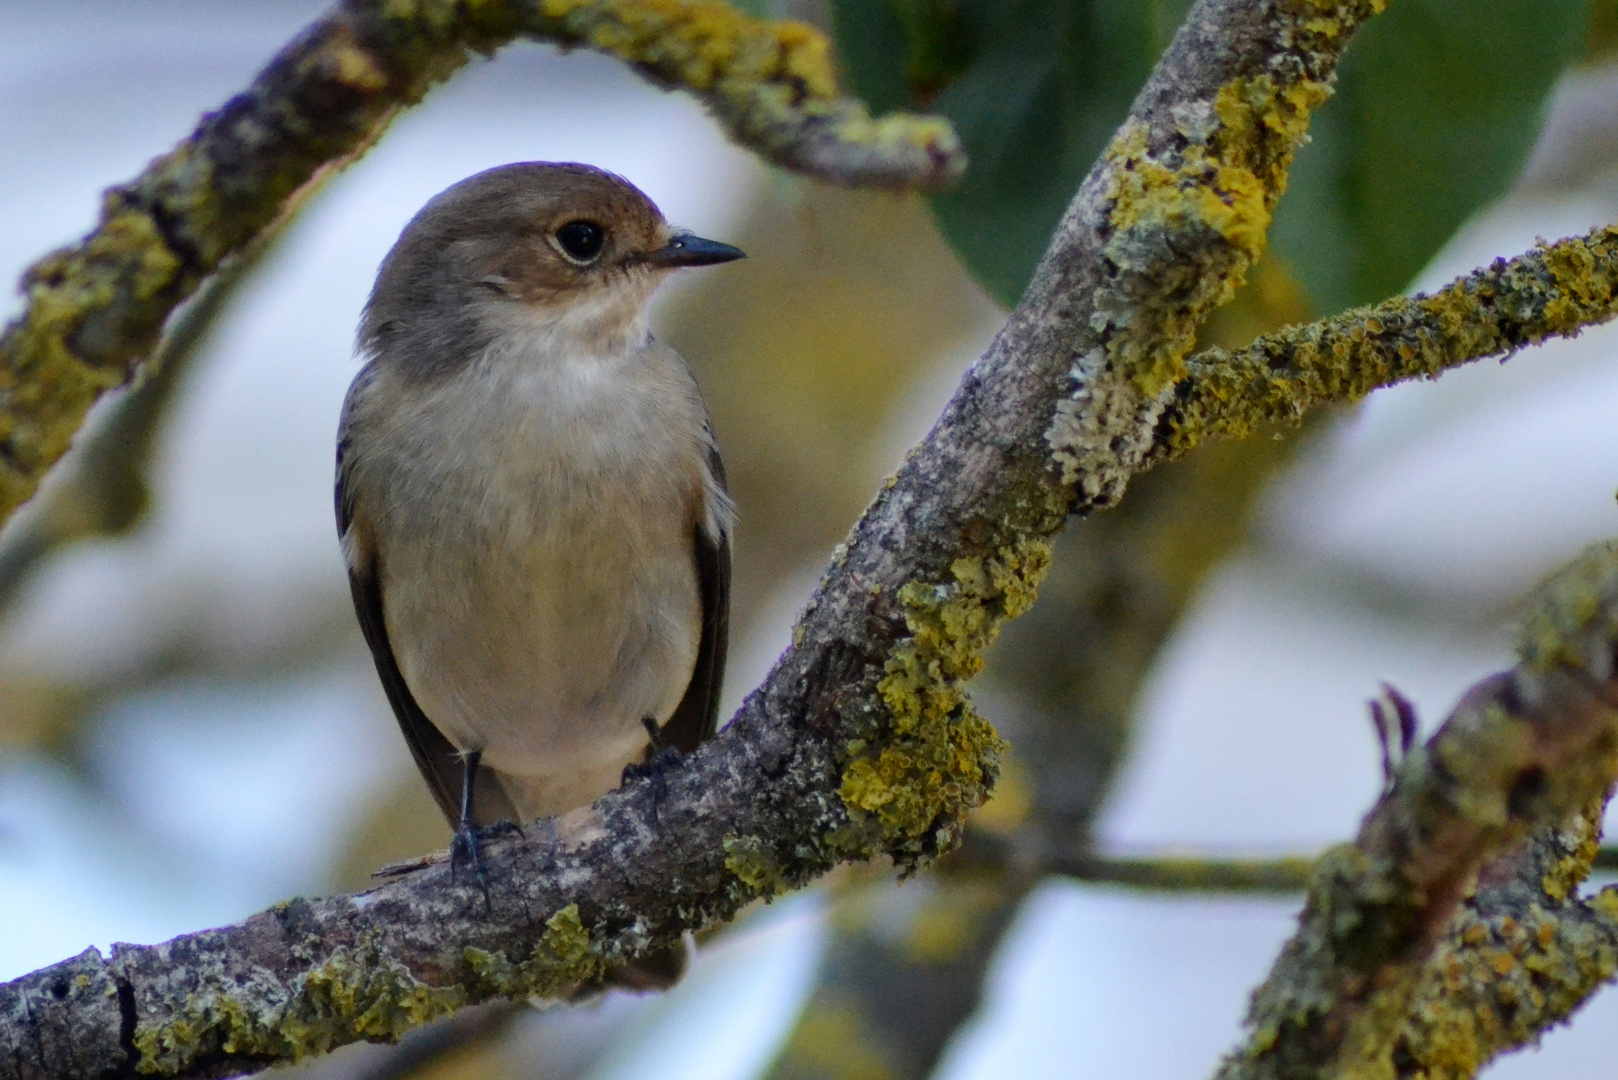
(531, 505)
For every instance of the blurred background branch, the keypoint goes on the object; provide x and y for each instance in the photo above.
(96, 309)
(1522, 751)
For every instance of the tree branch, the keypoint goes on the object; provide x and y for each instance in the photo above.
(102, 489)
(900, 975)
(95, 309)
(1522, 954)
(860, 742)
(1190, 874)
(1523, 750)
(1554, 290)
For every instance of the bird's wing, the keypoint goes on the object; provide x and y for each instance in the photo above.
(697, 716)
(440, 764)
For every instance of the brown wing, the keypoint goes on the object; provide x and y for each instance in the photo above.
(697, 716)
(440, 763)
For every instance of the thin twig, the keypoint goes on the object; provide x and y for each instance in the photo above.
(1552, 290)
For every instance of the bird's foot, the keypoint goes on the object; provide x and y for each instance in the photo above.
(467, 850)
(655, 768)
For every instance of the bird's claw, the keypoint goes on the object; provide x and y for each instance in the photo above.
(467, 850)
(655, 768)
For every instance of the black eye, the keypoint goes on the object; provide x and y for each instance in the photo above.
(581, 239)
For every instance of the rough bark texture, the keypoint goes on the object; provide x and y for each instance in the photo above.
(95, 309)
(1522, 751)
(860, 743)
(903, 973)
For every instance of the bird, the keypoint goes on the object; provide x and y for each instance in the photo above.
(530, 501)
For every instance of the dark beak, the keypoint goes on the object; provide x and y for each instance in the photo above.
(688, 250)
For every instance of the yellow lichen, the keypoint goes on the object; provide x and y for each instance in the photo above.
(1553, 289)
(764, 78)
(939, 758)
(1221, 185)
(754, 864)
(356, 994)
(1574, 618)
(359, 993)
(563, 959)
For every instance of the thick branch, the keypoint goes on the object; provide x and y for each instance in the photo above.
(95, 309)
(1522, 751)
(859, 744)
(1554, 290)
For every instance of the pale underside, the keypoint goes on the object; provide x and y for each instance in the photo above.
(537, 574)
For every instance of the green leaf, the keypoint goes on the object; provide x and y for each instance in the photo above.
(1035, 90)
(1438, 105)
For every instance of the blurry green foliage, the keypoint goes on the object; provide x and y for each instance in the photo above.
(1438, 104)
(1035, 88)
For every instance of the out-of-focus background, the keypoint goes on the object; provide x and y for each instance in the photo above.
(191, 729)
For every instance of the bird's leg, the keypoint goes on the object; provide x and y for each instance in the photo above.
(466, 845)
(660, 756)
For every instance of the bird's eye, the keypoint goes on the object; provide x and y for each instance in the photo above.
(581, 240)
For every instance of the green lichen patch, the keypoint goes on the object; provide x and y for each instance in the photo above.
(936, 758)
(361, 993)
(1515, 960)
(70, 345)
(564, 959)
(357, 994)
(754, 864)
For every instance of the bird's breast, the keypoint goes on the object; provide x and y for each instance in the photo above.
(535, 550)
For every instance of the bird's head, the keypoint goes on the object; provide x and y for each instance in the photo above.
(561, 249)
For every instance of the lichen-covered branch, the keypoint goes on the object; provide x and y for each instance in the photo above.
(102, 489)
(1554, 290)
(860, 743)
(1522, 751)
(95, 309)
(1522, 954)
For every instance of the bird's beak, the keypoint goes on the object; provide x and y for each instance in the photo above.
(688, 250)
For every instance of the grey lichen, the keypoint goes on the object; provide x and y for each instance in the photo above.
(1188, 203)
